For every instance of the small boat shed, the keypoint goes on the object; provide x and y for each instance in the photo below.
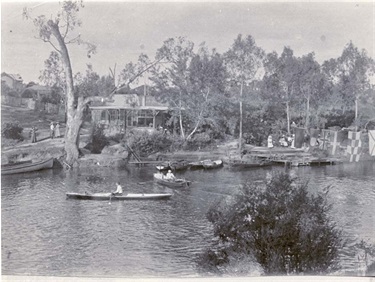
(129, 111)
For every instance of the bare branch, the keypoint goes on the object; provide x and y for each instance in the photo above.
(66, 30)
(144, 70)
(74, 40)
(48, 41)
(113, 73)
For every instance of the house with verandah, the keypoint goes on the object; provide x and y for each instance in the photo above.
(131, 110)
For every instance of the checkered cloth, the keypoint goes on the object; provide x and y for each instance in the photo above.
(371, 142)
(354, 146)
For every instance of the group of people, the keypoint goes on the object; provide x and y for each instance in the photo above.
(283, 141)
(55, 130)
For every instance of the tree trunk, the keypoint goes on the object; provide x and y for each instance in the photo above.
(71, 141)
(356, 113)
(240, 136)
(287, 116)
(74, 118)
(181, 126)
(307, 122)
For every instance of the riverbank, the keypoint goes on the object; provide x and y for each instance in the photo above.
(117, 156)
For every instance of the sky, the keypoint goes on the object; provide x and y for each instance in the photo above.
(123, 30)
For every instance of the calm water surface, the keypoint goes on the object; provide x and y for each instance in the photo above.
(45, 234)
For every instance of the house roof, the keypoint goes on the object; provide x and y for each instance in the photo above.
(129, 108)
(132, 101)
(16, 77)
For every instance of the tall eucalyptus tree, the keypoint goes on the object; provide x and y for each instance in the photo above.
(243, 61)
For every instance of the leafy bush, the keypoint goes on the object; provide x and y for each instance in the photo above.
(337, 118)
(29, 93)
(199, 141)
(117, 138)
(258, 125)
(145, 143)
(12, 130)
(53, 98)
(99, 140)
(284, 228)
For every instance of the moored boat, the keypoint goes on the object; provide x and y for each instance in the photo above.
(178, 165)
(209, 164)
(160, 178)
(26, 166)
(109, 196)
(248, 163)
(196, 165)
(163, 167)
(173, 165)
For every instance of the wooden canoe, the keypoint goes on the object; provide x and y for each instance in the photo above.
(159, 178)
(109, 196)
(26, 167)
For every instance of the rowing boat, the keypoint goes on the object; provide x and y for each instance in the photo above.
(26, 166)
(160, 178)
(109, 196)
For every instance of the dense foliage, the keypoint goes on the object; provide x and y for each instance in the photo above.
(98, 140)
(280, 224)
(12, 130)
(145, 144)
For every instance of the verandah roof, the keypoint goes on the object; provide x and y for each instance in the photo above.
(112, 107)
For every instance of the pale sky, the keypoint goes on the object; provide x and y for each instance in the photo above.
(122, 30)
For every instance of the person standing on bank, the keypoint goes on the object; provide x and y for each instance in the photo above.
(57, 130)
(33, 134)
(118, 191)
(52, 130)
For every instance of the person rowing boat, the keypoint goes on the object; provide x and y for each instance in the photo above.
(170, 176)
(118, 191)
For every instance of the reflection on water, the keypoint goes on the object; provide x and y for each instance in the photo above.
(45, 234)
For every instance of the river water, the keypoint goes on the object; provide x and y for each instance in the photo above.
(43, 233)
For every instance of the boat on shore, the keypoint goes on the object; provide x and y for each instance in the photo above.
(110, 197)
(173, 183)
(26, 166)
